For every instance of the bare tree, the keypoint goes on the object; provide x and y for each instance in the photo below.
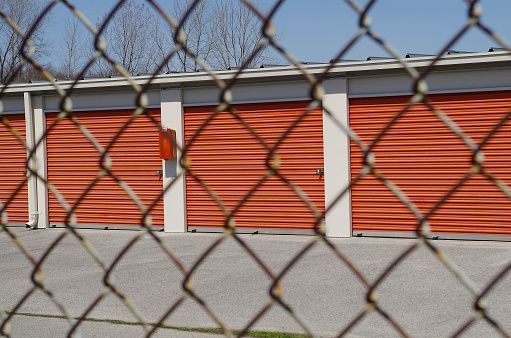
(197, 29)
(128, 40)
(237, 35)
(161, 35)
(224, 33)
(73, 49)
(23, 13)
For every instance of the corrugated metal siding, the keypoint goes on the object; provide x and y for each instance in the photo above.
(12, 168)
(425, 159)
(230, 160)
(73, 163)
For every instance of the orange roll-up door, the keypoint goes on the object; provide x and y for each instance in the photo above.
(230, 160)
(73, 163)
(12, 168)
(425, 159)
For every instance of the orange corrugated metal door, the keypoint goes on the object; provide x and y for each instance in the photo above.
(425, 159)
(230, 160)
(12, 168)
(73, 164)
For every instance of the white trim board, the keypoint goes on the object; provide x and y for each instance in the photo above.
(249, 93)
(455, 81)
(101, 101)
(249, 102)
(12, 105)
(438, 82)
(432, 92)
(106, 109)
(466, 60)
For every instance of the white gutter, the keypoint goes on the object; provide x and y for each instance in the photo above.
(32, 179)
(485, 59)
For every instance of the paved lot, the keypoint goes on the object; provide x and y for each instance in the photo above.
(425, 298)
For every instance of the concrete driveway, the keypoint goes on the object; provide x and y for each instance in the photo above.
(420, 293)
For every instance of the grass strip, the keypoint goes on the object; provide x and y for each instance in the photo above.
(211, 330)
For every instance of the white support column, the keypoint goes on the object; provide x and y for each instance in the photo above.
(40, 156)
(32, 180)
(174, 199)
(336, 159)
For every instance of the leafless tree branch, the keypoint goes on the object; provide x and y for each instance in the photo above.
(23, 13)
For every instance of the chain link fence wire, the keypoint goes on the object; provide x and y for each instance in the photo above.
(224, 106)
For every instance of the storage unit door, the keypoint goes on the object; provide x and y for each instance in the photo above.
(425, 159)
(13, 157)
(230, 161)
(73, 165)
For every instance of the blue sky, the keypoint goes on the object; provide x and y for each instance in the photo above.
(315, 30)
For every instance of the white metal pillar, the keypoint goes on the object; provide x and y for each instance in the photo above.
(174, 203)
(336, 159)
(40, 156)
(32, 164)
(37, 190)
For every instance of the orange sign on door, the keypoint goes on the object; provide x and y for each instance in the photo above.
(167, 138)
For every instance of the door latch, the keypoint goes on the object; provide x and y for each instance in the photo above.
(159, 173)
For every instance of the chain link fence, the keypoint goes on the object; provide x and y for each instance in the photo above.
(275, 292)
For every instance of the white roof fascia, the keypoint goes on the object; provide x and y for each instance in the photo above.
(340, 68)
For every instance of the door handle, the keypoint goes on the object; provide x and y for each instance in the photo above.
(320, 171)
(159, 173)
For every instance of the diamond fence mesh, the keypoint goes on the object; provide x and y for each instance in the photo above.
(225, 106)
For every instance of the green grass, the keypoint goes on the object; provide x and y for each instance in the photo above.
(211, 330)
